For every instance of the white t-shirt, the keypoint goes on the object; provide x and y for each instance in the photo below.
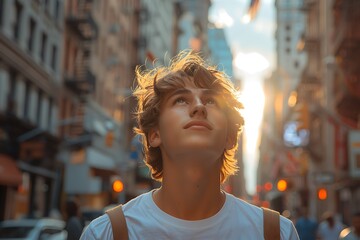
(145, 220)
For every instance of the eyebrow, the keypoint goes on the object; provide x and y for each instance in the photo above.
(187, 91)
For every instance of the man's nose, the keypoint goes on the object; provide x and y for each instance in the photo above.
(198, 108)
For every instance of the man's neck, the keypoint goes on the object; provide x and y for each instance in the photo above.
(190, 193)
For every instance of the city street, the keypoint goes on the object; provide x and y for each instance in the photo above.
(68, 72)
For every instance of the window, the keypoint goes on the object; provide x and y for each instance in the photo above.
(43, 47)
(67, 55)
(27, 99)
(12, 84)
(51, 102)
(18, 16)
(53, 57)
(38, 108)
(12, 90)
(32, 26)
(1, 12)
(46, 5)
(57, 10)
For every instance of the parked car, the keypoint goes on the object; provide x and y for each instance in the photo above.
(33, 229)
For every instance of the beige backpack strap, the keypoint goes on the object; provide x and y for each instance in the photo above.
(271, 224)
(118, 223)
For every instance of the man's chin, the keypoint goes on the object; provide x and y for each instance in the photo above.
(197, 151)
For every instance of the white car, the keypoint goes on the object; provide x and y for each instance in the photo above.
(33, 229)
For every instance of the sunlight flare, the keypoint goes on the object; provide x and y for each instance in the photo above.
(253, 98)
(251, 63)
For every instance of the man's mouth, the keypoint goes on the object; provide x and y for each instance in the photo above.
(198, 124)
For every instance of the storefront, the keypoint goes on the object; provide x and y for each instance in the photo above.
(10, 180)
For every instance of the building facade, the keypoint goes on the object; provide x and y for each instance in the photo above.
(30, 74)
(99, 63)
(280, 141)
(156, 33)
(324, 130)
(193, 26)
(220, 52)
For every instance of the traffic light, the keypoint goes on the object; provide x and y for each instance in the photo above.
(302, 116)
(282, 185)
(118, 186)
(322, 194)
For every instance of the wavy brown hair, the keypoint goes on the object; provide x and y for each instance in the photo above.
(155, 84)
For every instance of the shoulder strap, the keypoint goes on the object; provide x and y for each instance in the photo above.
(118, 223)
(271, 224)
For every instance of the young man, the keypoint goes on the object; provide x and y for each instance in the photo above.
(189, 120)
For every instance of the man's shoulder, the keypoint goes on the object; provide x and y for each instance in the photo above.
(137, 202)
(253, 214)
(100, 228)
(244, 206)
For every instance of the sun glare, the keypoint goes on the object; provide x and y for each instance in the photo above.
(246, 19)
(251, 63)
(252, 96)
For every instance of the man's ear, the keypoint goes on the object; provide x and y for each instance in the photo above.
(154, 137)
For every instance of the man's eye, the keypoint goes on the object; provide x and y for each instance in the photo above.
(211, 101)
(180, 100)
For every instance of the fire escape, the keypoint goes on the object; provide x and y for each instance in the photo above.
(80, 80)
(310, 85)
(347, 52)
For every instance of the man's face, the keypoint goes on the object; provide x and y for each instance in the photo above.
(192, 123)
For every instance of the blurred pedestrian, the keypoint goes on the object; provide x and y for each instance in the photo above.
(73, 226)
(305, 226)
(353, 232)
(189, 120)
(330, 227)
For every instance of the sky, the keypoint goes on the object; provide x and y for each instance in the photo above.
(253, 48)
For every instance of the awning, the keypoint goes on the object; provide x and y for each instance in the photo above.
(9, 172)
(101, 164)
(103, 172)
(98, 159)
(25, 167)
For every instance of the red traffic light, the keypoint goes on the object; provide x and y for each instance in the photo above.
(322, 194)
